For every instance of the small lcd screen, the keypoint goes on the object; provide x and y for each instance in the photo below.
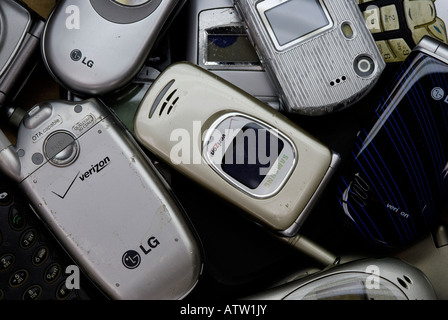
(294, 19)
(230, 45)
(252, 153)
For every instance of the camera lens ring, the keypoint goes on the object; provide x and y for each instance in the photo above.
(364, 66)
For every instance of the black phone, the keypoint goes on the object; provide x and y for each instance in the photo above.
(397, 185)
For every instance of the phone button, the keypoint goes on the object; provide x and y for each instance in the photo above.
(18, 278)
(16, 218)
(5, 197)
(6, 261)
(37, 115)
(52, 273)
(32, 293)
(389, 18)
(28, 239)
(62, 291)
(40, 256)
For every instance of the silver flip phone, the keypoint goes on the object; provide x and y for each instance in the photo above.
(218, 42)
(95, 47)
(235, 145)
(319, 53)
(364, 279)
(20, 33)
(100, 196)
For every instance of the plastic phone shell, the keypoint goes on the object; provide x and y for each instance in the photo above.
(325, 70)
(188, 98)
(103, 200)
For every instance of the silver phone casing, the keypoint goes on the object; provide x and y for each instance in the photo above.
(383, 279)
(108, 201)
(303, 74)
(108, 54)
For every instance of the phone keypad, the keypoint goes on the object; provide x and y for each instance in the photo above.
(32, 265)
(398, 25)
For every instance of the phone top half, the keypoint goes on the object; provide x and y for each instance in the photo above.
(96, 47)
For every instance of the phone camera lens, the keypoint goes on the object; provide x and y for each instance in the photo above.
(364, 66)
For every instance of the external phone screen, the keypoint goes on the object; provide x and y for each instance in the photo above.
(230, 45)
(295, 19)
(253, 149)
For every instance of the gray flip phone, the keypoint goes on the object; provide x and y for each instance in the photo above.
(101, 197)
(320, 54)
(95, 47)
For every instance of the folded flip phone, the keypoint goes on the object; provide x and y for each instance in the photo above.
(103, 200)
(398, 183)
(234, 145)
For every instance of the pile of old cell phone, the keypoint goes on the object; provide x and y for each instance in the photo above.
(231, 120)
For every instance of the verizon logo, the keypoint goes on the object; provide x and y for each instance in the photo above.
(95, 168)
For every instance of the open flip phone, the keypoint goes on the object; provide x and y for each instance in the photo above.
(397, 185)
(319, 53)
(234, 145)
(364, 279)
(20, 33)
(95, 47)
(102, 199)
(398, 25)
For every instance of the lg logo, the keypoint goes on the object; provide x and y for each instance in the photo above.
(76, 55)
(131, 259)
(73, 22)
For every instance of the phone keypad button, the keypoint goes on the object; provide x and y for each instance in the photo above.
(6, 261)
(32, 293)
(438, 30)
(28, 239)
(419, 13)
(372, 16)
(18, 278)
(62, 291)
(16, 218)
(52, 273)
(40, 256)
(389, 18)
(400, 48)
(5, 197)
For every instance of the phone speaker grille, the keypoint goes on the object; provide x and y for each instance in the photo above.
(167, 104)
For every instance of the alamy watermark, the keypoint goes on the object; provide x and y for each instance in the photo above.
(73, 20)
(241, 146)
(73, 280)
